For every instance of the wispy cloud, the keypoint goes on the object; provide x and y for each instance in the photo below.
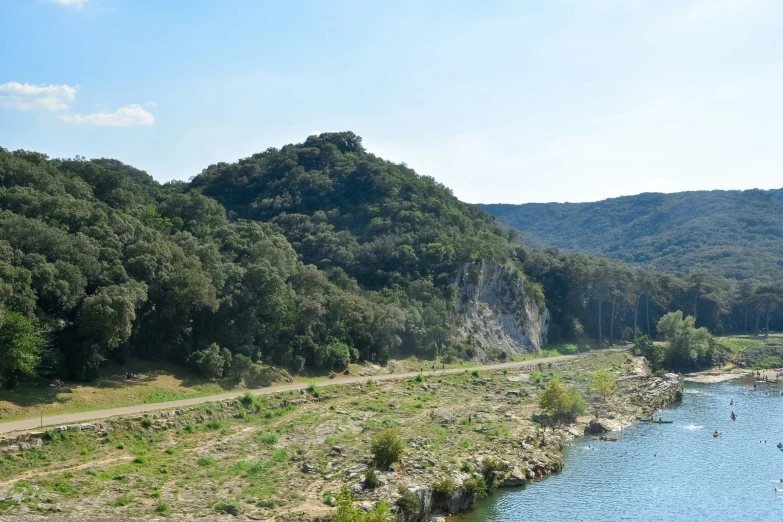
(78, 4)
(26, 97)
(127, 116)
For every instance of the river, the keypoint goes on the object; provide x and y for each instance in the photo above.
(666, 472)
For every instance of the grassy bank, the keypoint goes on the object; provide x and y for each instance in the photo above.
(287, 454)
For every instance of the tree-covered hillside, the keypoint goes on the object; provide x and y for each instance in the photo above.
(367, 222)
(735, 234)
(327, 254)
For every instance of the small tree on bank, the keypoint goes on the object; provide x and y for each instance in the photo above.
(559, 403)
(602, 383)
(387, 447)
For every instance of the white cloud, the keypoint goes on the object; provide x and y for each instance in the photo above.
(78, 4)
(28, 97)
(127, 116)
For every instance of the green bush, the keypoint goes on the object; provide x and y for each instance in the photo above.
(240, 366)
(212, 361)
(141, 461)
(214, 424)
(408, 502)
(475, 373)
(443, 489)
(475, 487)
(490, 468)
(660, 373)
(163, 508)
(146, 422)
(420, 378)
(387, 447)
(314, 390)
(268, 438)
(371, 479)
(536, 377)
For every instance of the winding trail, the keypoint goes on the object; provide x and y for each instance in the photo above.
(70, 418)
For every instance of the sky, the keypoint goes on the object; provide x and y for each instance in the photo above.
(504, 102)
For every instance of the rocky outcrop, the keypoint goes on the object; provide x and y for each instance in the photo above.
(496, 309)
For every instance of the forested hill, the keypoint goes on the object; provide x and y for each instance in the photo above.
(737, 234)
(323, 254)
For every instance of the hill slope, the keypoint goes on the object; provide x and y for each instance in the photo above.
(326, 254)
(731, 233)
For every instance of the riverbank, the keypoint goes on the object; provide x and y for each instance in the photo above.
(284, 456)
(677, 472)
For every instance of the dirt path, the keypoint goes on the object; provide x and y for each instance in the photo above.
(56, 420)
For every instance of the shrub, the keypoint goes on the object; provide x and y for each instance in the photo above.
(334, 355)
(419, 378)
(578, 406)
(211, 361)
(123, 500)
(205, 461)
(475, 373)
(163, 508)
(443, 489)
(371, 384)
(141, 461)
(536, 377)
(408, 502)
(466, 467)
(371, 479)
(214, 424)
(248, 400)
(475, 487)
(314, 390)
(268, 438)
(346, 512)
(170, 450)
(146, 422)
(240, 366)
(489, 469)
(387, 447)
(660, 373)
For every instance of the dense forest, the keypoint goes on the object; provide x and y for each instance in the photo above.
(308, 256)
(735, 234)
(326, 254)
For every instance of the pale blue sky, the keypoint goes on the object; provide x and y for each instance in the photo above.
(501, 101)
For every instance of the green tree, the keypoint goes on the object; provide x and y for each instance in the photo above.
(556, 401)
(687, 347)
(210, 361)
(387, 447)
(346, 512)
(602, 383)
(19, 347)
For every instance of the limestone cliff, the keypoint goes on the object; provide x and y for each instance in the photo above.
(495, 311)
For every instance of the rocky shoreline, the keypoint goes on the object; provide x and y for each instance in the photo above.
(637, 395)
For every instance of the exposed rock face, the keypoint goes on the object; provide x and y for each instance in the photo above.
(494, 310)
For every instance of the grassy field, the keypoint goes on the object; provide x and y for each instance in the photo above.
(161, 382)
(255, 460)
(158, 382)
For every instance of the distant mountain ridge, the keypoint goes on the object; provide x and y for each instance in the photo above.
(737, 234)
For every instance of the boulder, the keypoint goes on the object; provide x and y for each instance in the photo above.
(515, 477)
(602, 426)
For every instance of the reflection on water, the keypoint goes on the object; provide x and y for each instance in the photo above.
(667, 472)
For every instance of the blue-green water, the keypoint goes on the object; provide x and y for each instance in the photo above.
(667, 472)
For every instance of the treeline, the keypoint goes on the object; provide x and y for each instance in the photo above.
(729, 233)
(326, 255)
(610, 301)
